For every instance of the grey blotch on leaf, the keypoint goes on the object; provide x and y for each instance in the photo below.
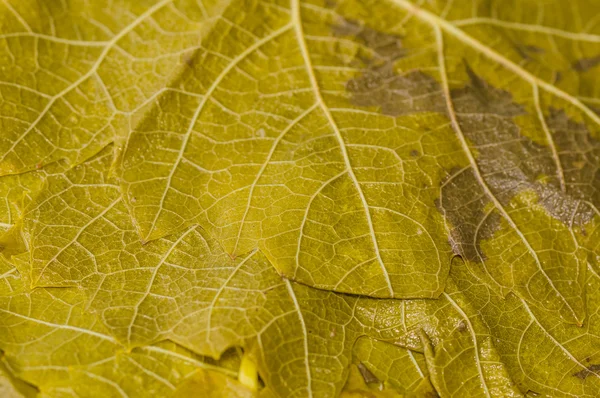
(367, 375)
(511, 163)
(379, 85)
(589, 371)
(508, 161)
(585, 64)
(579, 153)
(463, 204)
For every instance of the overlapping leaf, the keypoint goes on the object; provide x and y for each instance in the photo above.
(186, 289)
(51, 340)
(217, 174)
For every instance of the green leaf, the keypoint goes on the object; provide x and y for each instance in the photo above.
(299, 198)
(273, 166)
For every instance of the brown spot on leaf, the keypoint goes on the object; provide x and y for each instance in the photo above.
(462, 326)
(585, 64)
(557, 77)
(396, 95)
(367, 375)
(463, 204)
(589, 371)
(579, 153)
(483, 99)
(188, 59)
(508, 161)
(379, 85)
(534, 49)
(527, 52)
(386, 47)
(477, 87)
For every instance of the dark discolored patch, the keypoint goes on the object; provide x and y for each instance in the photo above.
(557, 77)
(463, 204)
(379, 85)
(579, 154)
(563, 207)
(394, 94)
(585, 64)
(414, 153)
(528, 52)
(462, 326)
(589, 371)
(508, 162)
(386, 47)
(367, 375)
(534, 49)
(483, 99)
(188, 59)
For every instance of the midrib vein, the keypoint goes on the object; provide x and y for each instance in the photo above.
(297, 22)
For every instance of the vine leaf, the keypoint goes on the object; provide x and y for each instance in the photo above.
(352, 197)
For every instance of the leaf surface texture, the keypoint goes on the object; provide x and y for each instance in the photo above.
(299, 198)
